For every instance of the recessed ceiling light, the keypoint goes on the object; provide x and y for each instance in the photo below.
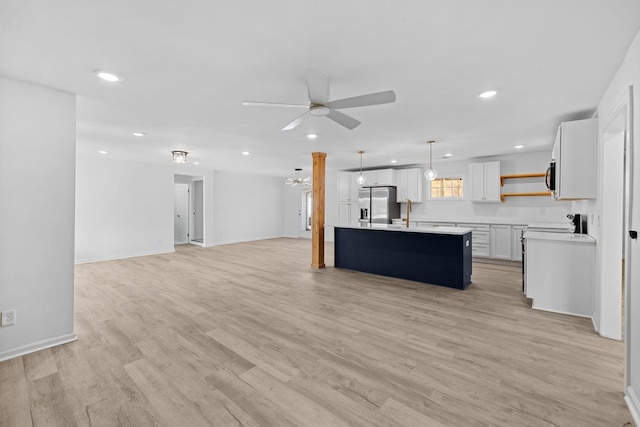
(448, 155)
(246, 153)
(103, 152)
(394, 161)
(517, 147)
(196, 163)
(312, 136)
(139, 134)
(105, 75)
(487, 94)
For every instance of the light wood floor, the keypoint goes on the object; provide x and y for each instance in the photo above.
(247, 334)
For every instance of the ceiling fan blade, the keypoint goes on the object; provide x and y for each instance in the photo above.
(364, 100)
(271, 104)
(341, 118)
(318, 86)
(294, 124)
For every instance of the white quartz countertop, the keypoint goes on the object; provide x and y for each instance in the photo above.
(559, 237)
(458, 231)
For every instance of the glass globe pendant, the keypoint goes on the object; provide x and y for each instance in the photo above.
(361, 178)
(430, 173)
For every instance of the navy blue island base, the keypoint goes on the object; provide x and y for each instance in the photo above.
(434, 258)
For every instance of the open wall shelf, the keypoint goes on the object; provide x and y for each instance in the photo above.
(523, 175)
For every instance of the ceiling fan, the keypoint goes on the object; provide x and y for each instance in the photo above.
(319, 104)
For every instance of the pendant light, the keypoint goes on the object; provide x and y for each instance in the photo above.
(361, 178)
(297, 180)
(430, 173)
(179, 156)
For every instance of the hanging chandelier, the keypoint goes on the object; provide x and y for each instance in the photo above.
(179, 156)
(430, 173)
(297, 180)
(361, 178)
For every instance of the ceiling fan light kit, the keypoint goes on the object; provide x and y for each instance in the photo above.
(430, 173)
(319, 104)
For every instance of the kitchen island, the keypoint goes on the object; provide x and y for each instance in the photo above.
(437, 255)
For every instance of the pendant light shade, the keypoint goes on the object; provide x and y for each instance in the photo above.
(361, 178)
(430, 173)
(179, 156)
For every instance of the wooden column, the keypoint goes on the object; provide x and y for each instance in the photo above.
(317, 217)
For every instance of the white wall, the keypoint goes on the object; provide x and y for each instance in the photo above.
(123, 209)
(543, 208)
(627, 75)
(37, 166)
(247, 207)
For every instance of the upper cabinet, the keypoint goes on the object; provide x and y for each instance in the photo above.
(485, 181)
(380, 177)
(574, 153)
(409, 185)
(348, 187)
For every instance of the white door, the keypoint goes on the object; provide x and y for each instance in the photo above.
(181, 213)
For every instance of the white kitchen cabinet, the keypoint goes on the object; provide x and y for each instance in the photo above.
(516, 243)
(574, 153)
(480, 239)
(409, 185)
(348, 187)
(501, 241)
(485, 181)
(559, 272)
(380, 177)
(347, 214)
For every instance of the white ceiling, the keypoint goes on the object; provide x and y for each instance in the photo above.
(188, 65)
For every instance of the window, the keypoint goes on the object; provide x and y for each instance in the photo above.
(447, 188)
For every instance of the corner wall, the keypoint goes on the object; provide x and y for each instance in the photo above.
(37, 172)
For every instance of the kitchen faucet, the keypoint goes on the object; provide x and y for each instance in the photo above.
(408, 211)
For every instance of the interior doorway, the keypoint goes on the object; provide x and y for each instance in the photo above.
(306, 208)
(616, 190)
(180, 213)
(189, 210)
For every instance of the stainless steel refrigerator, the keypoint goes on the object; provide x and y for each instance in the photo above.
(377, 205)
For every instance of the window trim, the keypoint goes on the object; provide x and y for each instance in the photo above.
(465, 190)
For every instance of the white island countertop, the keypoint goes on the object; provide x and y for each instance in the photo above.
(457, 231)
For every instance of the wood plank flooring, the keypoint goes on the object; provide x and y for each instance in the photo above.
(248, 334)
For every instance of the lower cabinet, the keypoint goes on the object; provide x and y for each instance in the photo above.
(501, 241)
(347, 213)
(516, 242)
(480, 239)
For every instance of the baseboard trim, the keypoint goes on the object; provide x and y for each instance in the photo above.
(251, 239)
(37, 346)
(596, 323)
(558, 311)
(123, 256)
(633, 404)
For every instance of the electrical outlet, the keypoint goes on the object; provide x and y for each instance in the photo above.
(8, 318)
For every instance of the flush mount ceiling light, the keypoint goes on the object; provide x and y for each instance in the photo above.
(361, 178)
(447, 155)
(430, 173)
(296, 180)
(107, 76)
(394, 161)
(179, 156)
(196, 163)
(103, 152)
(246, 153)
(312, 136)
(139, 134)
(519, 146)
(488, 94)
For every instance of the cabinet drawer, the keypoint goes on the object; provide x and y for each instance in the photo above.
(479, 250)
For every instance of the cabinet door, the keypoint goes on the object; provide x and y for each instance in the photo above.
(501, 241)
(516, 243)
(476, 175)
(346, 213)
(414, 185)
(385, 177)
(402, 186)
(345, 186)
(492, 181)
